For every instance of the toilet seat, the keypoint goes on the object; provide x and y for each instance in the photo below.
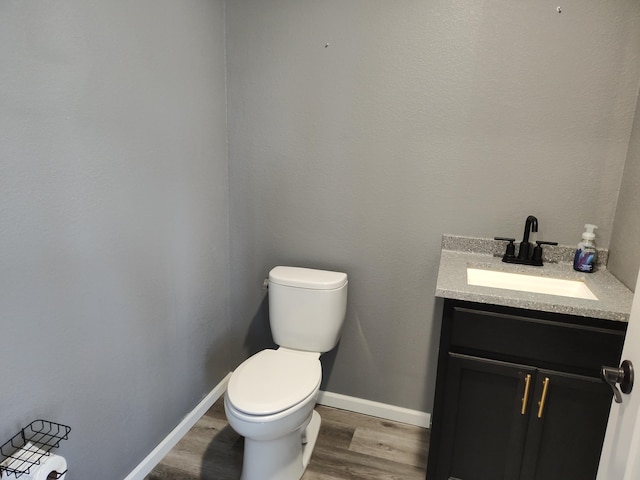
(272, 381)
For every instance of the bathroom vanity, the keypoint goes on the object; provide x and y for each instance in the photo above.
(518, 389)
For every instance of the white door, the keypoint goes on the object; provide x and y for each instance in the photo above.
(621, 451)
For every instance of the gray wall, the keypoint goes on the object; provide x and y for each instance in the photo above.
(361, 131)
(624, 260)
(113, 221)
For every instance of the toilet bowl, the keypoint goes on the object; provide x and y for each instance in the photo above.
(269, 401)
(271, 395)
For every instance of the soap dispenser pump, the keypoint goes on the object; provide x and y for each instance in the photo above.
(586, 253)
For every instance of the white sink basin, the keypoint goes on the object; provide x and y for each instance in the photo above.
(529, 283)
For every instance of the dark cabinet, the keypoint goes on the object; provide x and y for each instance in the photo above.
(518, 394)
(487, 431)
(565, 434)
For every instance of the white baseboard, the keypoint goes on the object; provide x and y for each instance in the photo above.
(375, 409)
(158, 453)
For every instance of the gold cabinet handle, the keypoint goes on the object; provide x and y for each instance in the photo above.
(543, 398)
(527, 381)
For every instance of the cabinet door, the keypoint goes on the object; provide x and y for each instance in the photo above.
(484, 426)
(565, 434)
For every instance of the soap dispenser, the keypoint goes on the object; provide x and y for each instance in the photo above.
(586, 254)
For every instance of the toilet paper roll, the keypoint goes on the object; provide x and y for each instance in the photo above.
(52, 464)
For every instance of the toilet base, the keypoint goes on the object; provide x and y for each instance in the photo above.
(309, 438)
(285, 458)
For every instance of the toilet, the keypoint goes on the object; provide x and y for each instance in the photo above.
(271, 395)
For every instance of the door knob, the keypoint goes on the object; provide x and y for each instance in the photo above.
(622, 375)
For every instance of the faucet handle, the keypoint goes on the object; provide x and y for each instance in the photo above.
(541, 242)
(511, 248)
(536, 259)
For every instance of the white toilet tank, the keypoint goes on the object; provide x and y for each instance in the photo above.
(307, 307)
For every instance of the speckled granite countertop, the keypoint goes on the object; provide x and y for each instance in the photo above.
(458, 253)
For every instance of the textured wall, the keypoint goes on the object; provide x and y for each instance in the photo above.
(113, 221)
(361, 131)
(624, 260)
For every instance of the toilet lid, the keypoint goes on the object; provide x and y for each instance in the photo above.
(273, 380)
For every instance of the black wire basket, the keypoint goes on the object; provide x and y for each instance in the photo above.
(27, 448)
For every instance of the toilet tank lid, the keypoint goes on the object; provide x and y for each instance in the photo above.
(307, 278)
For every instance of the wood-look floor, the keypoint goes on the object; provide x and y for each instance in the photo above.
(349, 446)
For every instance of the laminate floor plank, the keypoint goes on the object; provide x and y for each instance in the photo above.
(389, 446)
(349, 446)
(359, 420)
(347, 464)
(334, 434)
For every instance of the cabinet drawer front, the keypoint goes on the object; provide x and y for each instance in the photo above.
(537, 341)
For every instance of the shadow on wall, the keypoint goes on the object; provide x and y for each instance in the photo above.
(436, 325)
(259, 332)
(217, 362)
(327, 360)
